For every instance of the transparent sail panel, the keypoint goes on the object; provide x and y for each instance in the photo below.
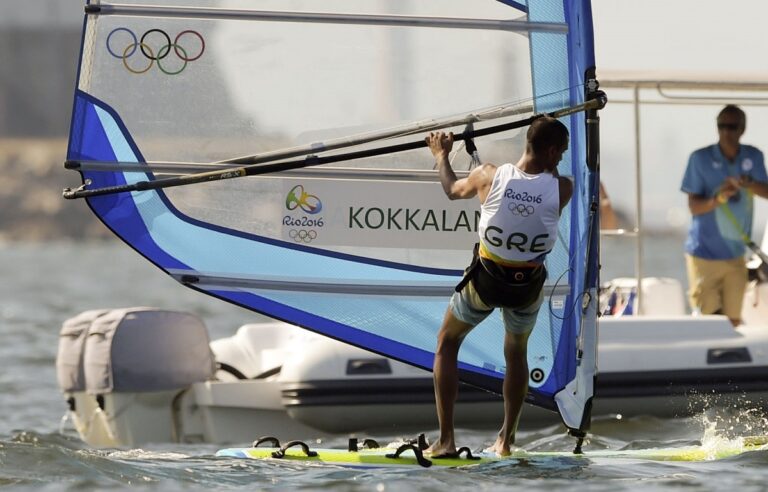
(240, 87)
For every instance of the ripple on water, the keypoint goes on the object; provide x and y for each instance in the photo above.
(55, 281)
(31, 458)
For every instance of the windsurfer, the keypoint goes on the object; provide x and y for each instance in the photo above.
(521, 206)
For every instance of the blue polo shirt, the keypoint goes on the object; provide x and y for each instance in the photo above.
(713, 236)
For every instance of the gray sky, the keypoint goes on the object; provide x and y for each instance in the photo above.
(681, 34)
(41, 13)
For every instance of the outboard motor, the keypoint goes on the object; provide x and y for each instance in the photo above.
(121, 371)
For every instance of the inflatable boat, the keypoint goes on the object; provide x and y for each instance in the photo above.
(138, 375)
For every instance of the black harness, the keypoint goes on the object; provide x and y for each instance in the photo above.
(500, 286)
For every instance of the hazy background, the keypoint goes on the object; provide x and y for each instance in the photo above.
(39, 45)
(718, 40)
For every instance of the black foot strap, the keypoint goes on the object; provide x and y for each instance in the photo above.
(370, 444)
(457, 455)
(269, 439)
(419, 455)
(280, 453)
(467, 452)
(352, 446)
(420, 441)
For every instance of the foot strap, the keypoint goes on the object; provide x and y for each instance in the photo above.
(467, 452)
(419, 455)
(280, 453)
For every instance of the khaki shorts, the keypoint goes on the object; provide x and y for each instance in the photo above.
(469, 308)
(716, 285)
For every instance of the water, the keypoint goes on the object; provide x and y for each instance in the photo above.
(43, 284)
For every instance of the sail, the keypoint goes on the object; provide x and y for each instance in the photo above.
(365, 248)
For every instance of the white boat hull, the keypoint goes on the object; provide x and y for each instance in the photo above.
(276, 379)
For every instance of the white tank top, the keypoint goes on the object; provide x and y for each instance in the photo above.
(518, 220)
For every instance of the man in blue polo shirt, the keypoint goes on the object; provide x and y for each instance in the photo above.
(720, 181)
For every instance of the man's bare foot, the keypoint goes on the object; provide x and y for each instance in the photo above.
(501, 447)
(439, 449)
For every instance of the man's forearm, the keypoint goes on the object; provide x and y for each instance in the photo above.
(447, 176)
(758, 188)
(702, 205)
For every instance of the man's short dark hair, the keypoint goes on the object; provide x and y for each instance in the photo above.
(733, 110)
(546, 132)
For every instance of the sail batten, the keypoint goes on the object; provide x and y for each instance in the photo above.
(329, 172)
(324, 18)
(340, 286)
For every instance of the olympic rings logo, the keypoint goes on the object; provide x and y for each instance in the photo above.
(298, 198)
(149, 48)
(521, 209)
(302, 236)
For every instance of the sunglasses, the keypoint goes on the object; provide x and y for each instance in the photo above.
(729, 126)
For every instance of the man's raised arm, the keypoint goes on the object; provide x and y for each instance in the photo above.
(478, 181)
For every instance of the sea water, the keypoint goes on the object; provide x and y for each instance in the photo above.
(43, 284)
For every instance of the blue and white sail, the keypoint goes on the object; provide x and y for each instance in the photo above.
(366, 250)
